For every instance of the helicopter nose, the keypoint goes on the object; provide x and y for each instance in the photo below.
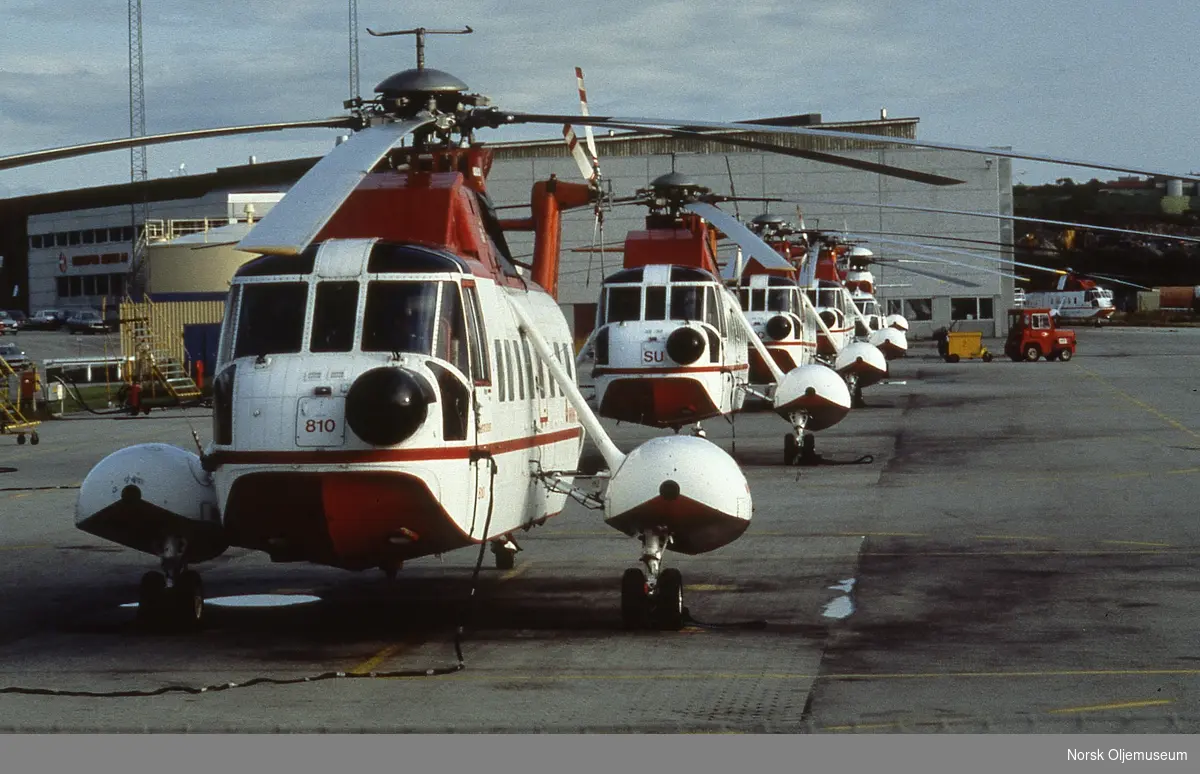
(387, 405)
(685, 345)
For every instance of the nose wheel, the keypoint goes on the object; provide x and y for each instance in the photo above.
(652, 599)
(171, 600)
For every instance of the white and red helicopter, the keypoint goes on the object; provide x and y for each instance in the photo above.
(391, 387)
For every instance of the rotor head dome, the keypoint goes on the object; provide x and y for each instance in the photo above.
(425, 81)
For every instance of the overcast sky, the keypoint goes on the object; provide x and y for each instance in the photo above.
(1097, 80)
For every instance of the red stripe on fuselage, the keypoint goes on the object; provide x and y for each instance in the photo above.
(353, 456)
(672, 371)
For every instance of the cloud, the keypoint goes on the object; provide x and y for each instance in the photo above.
(1078, 77)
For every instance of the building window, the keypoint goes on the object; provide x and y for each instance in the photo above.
(64, 289)
(89, 236)
(35, 241)
(73, 238)
(914, 309)
(76, 286)
(971, 309)
(116, 284)
(60, 239)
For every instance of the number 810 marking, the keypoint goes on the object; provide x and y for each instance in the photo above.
(320, 426)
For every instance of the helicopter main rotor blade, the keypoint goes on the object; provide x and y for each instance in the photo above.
(952, 251)
(292, 224)
(992, 215)
(1107, 278)
(750, 242)
(900, 265)
(124, 143)
(811, 155)
(651, 125)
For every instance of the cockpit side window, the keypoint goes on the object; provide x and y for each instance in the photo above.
(271, 318)
(624, 303)
(451, 345)
(779, 300)
(225, 350)
(335, 314)
(400, 317)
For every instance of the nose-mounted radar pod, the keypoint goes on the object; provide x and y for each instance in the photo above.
(387, 405)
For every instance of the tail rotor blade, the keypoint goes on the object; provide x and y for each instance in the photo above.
(577, 153)
(587, 129)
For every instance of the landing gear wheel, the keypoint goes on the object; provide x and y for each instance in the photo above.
(635, 603)
(1063, 356)
(987, 357)
(188, 602)
(951, 358)
(151, 597)
(668, 600)
(790, 449)
(808, 449)
(33, 439)
(1032, 353)
(505, 553)
(21, 439)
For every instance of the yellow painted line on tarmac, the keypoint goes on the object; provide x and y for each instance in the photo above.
(390, 650)
(1012, 537)
(1143, 405)
(882, 534)
(1134, 543)
(710, 587)
(1104, 707)
(369, 665)
(1106, 476)
(19, 496)
(20, 548)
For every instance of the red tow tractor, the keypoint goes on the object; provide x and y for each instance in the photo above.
(1031, 334)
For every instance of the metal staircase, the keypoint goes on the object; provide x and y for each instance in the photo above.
(155, 365)
(12, 421)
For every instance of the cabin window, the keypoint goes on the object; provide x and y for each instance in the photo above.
(623, 303)
(656, 303)
(508, 370)
(780, 300)
(687, 303)
(528, 360)
(744, 299)
(335, 314)
(520, 365)
(405, 317)
(479, 354)
(271, 318)
(499, 370)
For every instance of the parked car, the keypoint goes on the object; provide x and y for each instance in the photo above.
(19, 316)
(87, 321)
(8, 324)
(14, 356)
(47, 320)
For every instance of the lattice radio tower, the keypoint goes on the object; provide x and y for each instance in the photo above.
(138, 211)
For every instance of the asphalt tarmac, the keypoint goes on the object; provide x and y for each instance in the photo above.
(1015, 555)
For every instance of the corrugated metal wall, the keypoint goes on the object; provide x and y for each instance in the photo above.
(166, 323)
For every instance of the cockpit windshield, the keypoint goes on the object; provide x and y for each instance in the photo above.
(271, 318)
